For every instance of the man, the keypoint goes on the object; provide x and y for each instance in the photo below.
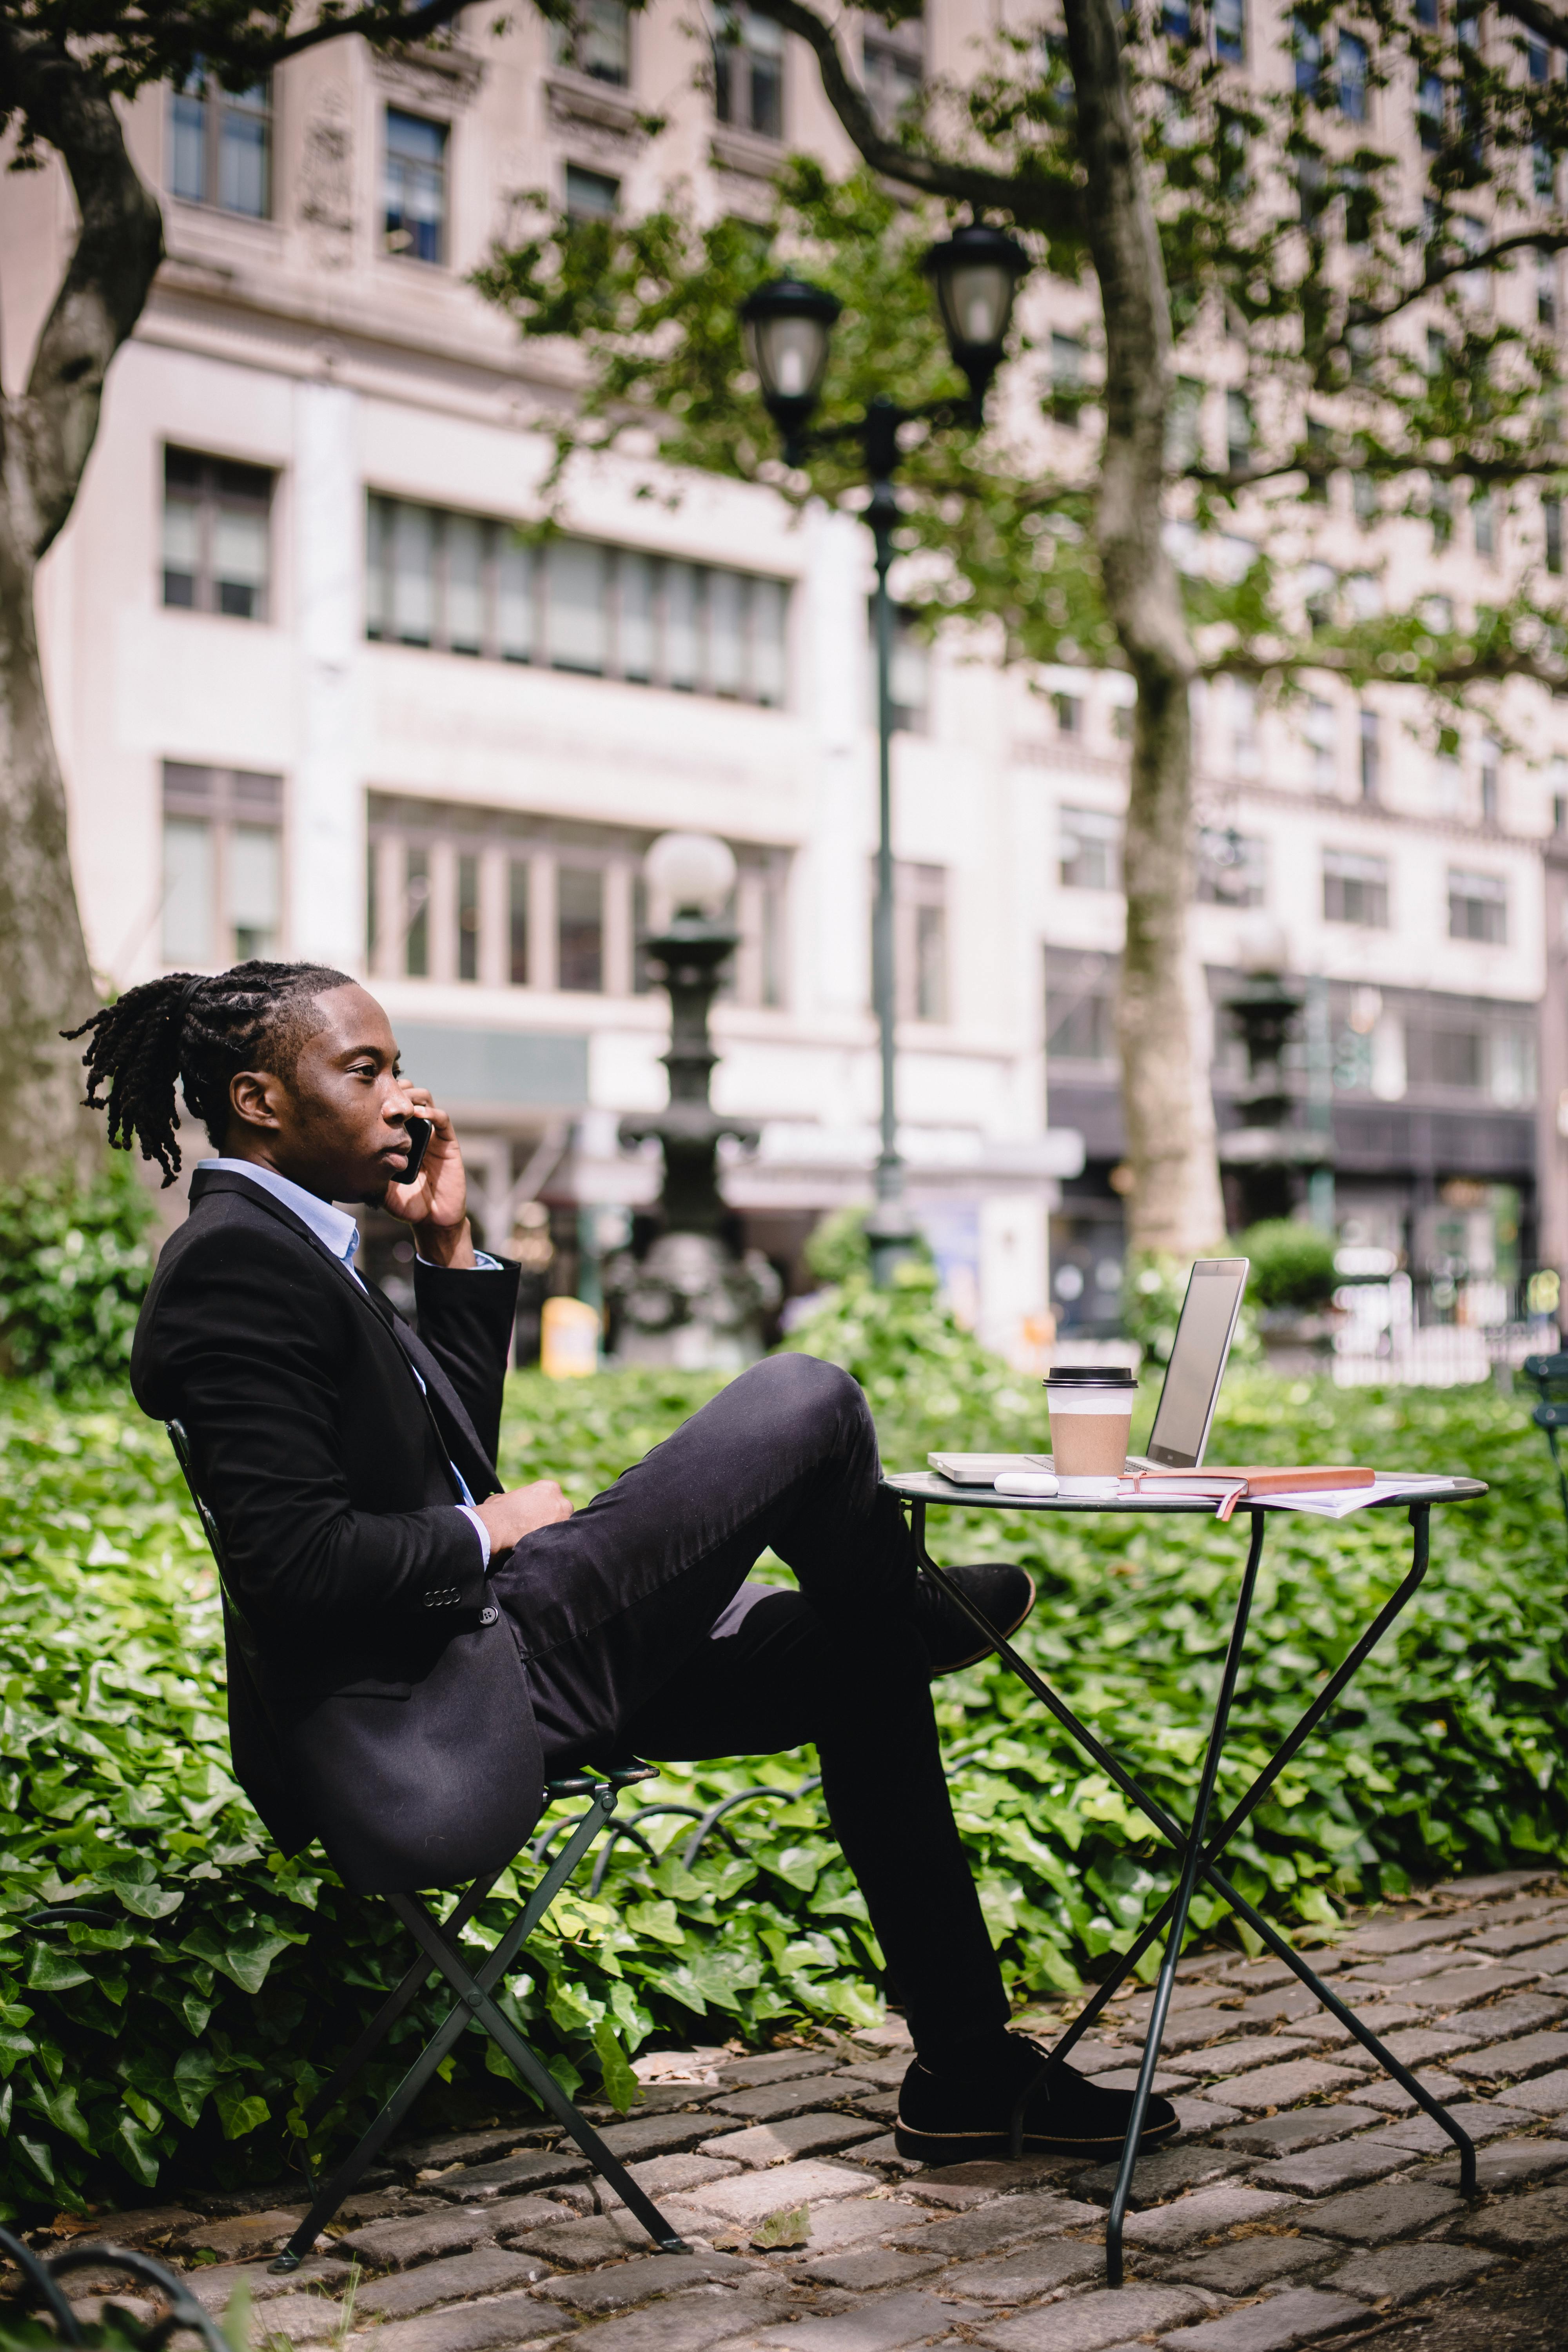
(413, 1650)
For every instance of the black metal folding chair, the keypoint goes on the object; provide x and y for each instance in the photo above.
(440, 1953)
(1550, 1374)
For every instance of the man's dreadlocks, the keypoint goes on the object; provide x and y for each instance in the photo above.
(201, 1029)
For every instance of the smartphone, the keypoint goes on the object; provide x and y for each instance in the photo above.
(420, 1130)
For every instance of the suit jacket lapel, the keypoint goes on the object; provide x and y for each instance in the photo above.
(453, 1426)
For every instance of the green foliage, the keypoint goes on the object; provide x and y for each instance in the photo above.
(74, 1262)
(837, 1248)
(181, 2040)
(1293, 1264)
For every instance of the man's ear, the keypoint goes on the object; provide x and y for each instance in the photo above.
(255, 1099)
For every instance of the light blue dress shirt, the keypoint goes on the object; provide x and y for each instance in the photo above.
(337, 1232)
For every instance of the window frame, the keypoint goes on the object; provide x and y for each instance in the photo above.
(441, 258)
(1340, 878)
(217, 104)
(212, 499)
(1080, 830)
(734, 86)
(228, 802)
(1472, 888)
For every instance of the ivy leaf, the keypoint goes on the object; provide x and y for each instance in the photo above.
(621, 2086)
(243, 1954)
(239, 2110)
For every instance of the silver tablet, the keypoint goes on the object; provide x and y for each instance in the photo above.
(1186, 1410)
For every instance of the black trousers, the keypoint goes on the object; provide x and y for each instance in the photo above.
(643, 1635)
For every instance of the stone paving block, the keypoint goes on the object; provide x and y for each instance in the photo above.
(1205, 2115)
(386, 2204)
(866, 2268)
(1203, 2214)
(1382, 2091)
(1495, 1885)
(644, 2280)
(882, 2107)
(508, 2217)
(1546, 2095)
(1227, 2058)
(775, 2067)
(1285, 2087)
(423, 2238)
(749, 2195)
(794, 2136)
(1400, 1936)
(1399, 2274)
(1517, 2013)
(1302, 2314)
(882, 2150)
(1125, 2078)
(1382, 2018)
(1522, 2225)
(1482, 2119)
(288, 2320)
(1423, 2045)
(764, 2103)
(1298, 2128)
(1186, 1997)
(886, 2074)
(1197, 2030)
(1395, 2208)
(1093, 2056)
(1458, 1988)
(958, 2186)
(881, 2323)
(1514, 2061)
(691, 2321)
(214, 2285)
(506, 2320)
(1030, 2274)
(1550, 1959)
(1164, 2173)
(1008, 2221)
(487, 2270)
(585, 2240)
(1521, 1934)
(1509, 2161)
(242, 2236)
(511, 2175)
(853, 2220)
(1099, 2322)
(469, 2146)
(1323, 2172)
(151, 2227)
(1249, 2265)
(669, 2176)
(646, 2136)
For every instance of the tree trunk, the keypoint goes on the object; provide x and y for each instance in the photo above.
(45, 436)
(1175, 1203)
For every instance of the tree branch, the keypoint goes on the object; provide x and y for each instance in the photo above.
(1548, 23)
(1052, 205)
(1439, 273)
(106, 284)
(379, 25)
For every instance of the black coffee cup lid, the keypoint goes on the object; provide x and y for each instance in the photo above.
(1084, 1376)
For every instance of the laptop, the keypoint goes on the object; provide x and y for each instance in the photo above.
(1188, 1396)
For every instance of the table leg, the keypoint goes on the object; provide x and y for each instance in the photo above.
(1192, 1864)
(1201, 1861)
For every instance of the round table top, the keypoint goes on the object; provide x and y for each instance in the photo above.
(930, 1487)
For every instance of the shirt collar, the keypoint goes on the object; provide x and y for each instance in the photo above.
(334, 1228)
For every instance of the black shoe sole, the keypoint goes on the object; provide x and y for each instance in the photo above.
(1005, 1634)
(969, 2147)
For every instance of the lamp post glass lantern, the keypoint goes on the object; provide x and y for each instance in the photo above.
(788, 326)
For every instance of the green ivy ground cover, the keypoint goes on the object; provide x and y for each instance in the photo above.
(177, 2041)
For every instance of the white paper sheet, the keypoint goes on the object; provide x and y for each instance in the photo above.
(1329, 1503)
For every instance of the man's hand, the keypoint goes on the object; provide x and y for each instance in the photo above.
(436, 1203)
(509, 1517)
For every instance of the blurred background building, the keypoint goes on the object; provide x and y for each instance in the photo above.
(316, 696)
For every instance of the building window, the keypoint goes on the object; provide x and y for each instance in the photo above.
(1458, 1058)
(908, 673)
(1355, 888)
(1229, 20)
(1477, 908)
(1371, 756)
(1067, 378)
(1091, 853)
(597, 41)
(1491, 760)
(1349, 72)
(1321, 732)
(1080, 1008)
(920, 940)
(506, 899)
(223, 867)
(461, 585)
(1551, 520)
(1237, 429)
(1543, 172)
(1483, 522)
(1184, 424)
(591, 195)
(221, 145)
(1069, 708)
(415, 191)
(748, 71)
(216, 517)
(1231, 870)
(892, 68)
(1430, 107)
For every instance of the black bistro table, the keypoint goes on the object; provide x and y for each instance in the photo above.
(1196, 1850)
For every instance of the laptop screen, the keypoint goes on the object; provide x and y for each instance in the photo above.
(1197, 1362)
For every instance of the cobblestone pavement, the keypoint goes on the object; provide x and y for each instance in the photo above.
(1307, 2198)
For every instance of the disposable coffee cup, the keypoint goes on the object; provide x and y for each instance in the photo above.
(1090, 1407)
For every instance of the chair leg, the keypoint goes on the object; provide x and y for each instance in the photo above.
(504, 2034)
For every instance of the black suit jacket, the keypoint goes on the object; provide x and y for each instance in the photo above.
(378, 1700)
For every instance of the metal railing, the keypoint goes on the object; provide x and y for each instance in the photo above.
(1441, 1330)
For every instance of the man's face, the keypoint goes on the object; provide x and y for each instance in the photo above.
(339, 1124)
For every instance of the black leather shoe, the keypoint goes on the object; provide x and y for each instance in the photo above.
(1005, 1595)
(948, 2119)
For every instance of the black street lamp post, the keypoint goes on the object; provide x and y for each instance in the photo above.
(789, 324)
